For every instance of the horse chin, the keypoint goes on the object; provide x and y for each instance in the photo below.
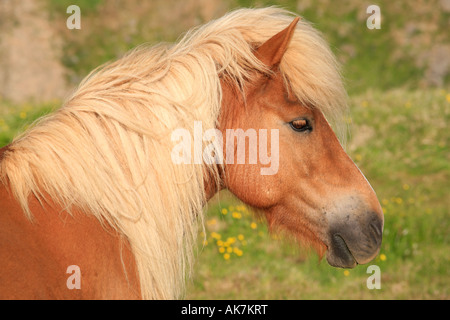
(339, 255)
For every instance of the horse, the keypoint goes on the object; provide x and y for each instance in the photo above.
(93, 205)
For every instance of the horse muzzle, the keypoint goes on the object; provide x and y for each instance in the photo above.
(354, 239)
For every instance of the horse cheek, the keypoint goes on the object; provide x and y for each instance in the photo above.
(256, 190)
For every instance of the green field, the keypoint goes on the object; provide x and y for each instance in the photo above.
(398, 136)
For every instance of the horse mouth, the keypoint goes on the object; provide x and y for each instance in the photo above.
(339, 255)
(354, 242)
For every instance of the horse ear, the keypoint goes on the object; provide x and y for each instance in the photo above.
(271, 51)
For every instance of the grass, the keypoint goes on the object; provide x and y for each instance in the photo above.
(15, 118)
(400, 141)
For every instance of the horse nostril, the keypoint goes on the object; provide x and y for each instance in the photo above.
(376, 229)
(358, 238)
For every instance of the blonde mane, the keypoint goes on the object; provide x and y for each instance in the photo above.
(107, 150)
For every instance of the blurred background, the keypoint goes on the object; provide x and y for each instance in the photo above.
(398, 80)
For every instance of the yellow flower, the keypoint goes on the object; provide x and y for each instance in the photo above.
(382, 257)
(211, 222)
(23, 115)
(358, 157)
(253, 225)
(238, 251)
(405, 186)
(399, 200)
(226, 256)
(224, 211)
(219, 243)
(221, 249)
(447, 97)
(231, 240)
(215, 235)
(236, 215)
(346, 273)
(229, 250)
(240, 237)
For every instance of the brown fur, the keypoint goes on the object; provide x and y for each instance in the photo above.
(35, 255)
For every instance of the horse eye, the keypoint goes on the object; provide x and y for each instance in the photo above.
(300, 125)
